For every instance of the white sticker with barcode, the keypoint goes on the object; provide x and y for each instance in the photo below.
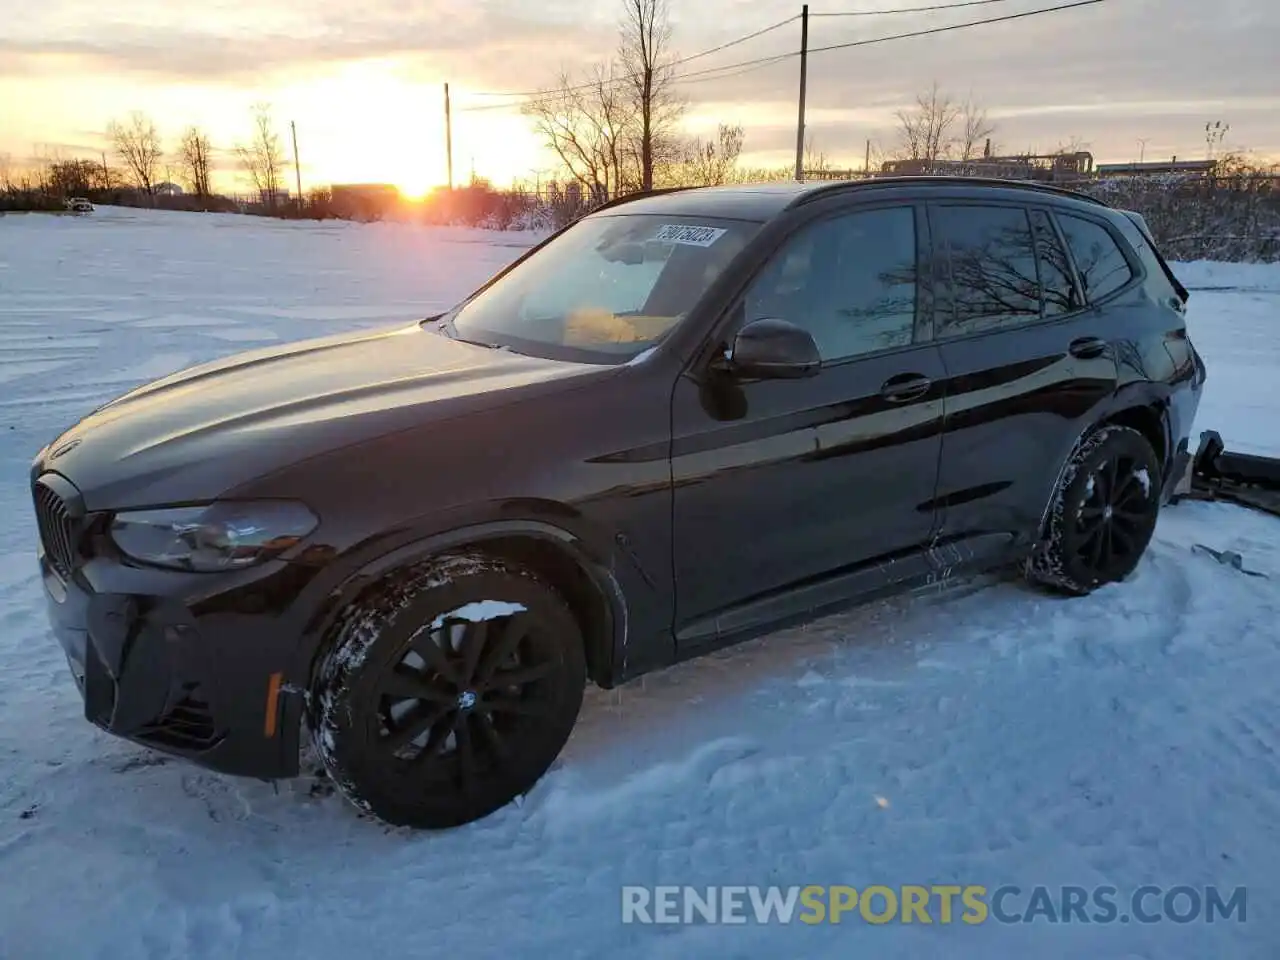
(693, 236)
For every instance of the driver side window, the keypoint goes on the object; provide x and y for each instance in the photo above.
(850, 280)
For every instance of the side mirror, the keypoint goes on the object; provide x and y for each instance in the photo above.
(772, 350)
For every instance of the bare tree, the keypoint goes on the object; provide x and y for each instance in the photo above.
(1073, 144)
(975, 128)
(138, 144)
(263, 157)
(874, 157)
(105, 176)
(645, 60)
(71, 178)
(815, 160)
(925, 130)
(194, 151)
(713, 162)
(586, 125)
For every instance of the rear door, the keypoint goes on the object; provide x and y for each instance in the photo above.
(1028, 366)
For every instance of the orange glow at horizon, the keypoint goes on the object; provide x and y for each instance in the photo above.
(375, 120)
(366, 122)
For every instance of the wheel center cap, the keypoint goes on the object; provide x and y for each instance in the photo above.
(466, 699)
(1106, 512)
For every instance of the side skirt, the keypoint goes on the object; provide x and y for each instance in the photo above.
(933, 567)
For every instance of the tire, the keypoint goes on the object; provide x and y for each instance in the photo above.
(1102, 515)
(448, 691)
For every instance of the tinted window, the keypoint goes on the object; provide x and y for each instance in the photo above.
(1055, 275)
(849, 280)
(1102, 267)
(991, 260)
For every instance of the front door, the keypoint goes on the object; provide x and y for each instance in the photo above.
(781, 483)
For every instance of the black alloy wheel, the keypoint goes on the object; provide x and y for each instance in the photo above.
(448, 692)
(1117, 513)
(1103, 513)
(464, 691)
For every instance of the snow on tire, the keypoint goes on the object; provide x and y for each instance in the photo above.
(1102, 515)
(447, 691)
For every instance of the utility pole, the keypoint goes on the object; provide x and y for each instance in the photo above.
(804, 64)
(448, 135)
(297, 168)
(866, 164)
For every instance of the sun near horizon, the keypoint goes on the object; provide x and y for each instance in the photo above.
(371, 121)
(361, 122)
(364, 86)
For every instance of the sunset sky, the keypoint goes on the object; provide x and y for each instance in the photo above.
(363, 80)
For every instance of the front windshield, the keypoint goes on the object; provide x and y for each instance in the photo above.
(606, 289)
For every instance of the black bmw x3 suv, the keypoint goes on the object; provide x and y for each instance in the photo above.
(687, 419)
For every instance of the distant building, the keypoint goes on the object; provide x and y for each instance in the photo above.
(1157, 167)
(1041, 167)
(168, 189)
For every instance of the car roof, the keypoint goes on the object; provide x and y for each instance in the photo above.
(763, 201)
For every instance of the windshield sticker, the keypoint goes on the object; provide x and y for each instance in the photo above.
(689, 235)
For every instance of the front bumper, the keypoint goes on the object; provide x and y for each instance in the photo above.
(176, 671)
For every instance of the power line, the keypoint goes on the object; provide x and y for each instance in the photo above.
(734, 43)
(742, 69)
(722, 72)
(744, 39)
(765, 61)
(674, 63)
(882, 13)
(954, 26)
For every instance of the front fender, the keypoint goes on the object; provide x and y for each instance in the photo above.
(593, 554)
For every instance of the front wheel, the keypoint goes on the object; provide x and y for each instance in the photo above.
(1102, 515)
(448, 692)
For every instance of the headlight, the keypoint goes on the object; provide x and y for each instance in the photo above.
(225, 535)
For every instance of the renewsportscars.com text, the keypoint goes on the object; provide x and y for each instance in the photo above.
(970, 904)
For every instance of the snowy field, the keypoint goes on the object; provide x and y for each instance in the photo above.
(994, 737)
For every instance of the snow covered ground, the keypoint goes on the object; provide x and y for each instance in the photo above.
(994, 737)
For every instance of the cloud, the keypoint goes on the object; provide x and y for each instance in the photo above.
(478, 39)
(1108, 73)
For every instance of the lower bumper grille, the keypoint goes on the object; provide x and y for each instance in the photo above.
(187, 725)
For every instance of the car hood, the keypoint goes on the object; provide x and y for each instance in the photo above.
(197, 433)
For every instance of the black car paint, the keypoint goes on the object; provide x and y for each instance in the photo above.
(820, 491)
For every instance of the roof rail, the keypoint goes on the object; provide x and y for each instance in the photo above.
(1035, 186)
(638, 195)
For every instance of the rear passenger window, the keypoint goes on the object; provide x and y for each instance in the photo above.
(990, 257)
(1099, 261)
(1058, 291)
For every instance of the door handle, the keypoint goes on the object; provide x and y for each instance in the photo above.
(905, 386)
(1088, 347)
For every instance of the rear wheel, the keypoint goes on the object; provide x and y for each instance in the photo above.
(1103, 513)
(448, 692)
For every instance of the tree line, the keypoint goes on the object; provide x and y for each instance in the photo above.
(614, 128)
(141, 168)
